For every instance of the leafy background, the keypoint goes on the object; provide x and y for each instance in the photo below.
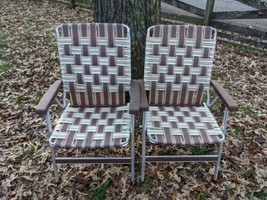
(29, 65)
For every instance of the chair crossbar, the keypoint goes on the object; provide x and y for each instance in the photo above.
(108, 160)
(182, 158)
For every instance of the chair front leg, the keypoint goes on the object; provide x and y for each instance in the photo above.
(53, 155)
(225, 119)
(56, 174)
(217, 167)
(143, 162)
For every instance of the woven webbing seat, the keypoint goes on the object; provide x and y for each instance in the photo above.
(182, 125)
(178, 66)
(92, 127)
(95, 63)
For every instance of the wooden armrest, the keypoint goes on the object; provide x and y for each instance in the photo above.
(143, 98)
(224, 96)
(134, 97)
(48, 98)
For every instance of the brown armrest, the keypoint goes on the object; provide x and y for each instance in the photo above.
(134, 97)
(224, 96)
(143, 98)
(48, 98)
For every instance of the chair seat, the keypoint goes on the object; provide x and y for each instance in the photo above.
(92, 127)
(182, 125)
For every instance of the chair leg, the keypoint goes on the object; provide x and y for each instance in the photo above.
(143, 162)
(55, 165)
(217, 167)
(132, 150)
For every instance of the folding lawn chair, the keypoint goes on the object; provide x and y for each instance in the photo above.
(96, 74)
(177, 74)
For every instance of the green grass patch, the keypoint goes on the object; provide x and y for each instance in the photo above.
(261, 125)
(2, 43)
(28, 28)
(249, 172)
(3, 68)
(99, 192)
(17, 99)
(165, 173)
(238, 130)
(260, 195)
(199, 149)
(18, 159)
(21, 46)
(204, 196)
(226, 86)
(148, 183)
(5, 56)
(246, 110)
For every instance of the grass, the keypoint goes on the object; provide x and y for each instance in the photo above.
(4, 57)
(99, 192)
(21, 46)
(204, 196)
(238, 130)
(249, 172)
(261, 125)
(246, 110)
(260, 195)
(29, 28)
(2, 43)
(199, 149)
(3, 68)
(18, 159)
(148, 183)
(16, 99)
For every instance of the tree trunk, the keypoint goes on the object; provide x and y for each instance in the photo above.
(138, 15)
(72, 3)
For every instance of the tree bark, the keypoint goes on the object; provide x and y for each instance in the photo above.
(72, 3)
(138, 15)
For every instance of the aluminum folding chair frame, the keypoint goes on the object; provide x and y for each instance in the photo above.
(169, 44)
(78, 49)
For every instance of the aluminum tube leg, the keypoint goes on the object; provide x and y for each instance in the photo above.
(143, 163)
(132, 148)
(225, 119)
(64, 99)
(55, 165)
(217, 167)
(208, 98)
(48, 124)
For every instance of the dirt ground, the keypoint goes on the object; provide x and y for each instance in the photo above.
(29, 65)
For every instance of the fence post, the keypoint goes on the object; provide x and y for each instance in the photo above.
(209, 9)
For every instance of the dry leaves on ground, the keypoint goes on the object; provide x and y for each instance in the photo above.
(29, 65)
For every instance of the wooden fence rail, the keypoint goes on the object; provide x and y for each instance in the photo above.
(216, 19)
(208, 17)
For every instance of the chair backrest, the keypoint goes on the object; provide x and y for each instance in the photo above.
(95, 62)
(178, 63)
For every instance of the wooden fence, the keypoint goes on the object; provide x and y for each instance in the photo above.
(206, 15)
(229, 21)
